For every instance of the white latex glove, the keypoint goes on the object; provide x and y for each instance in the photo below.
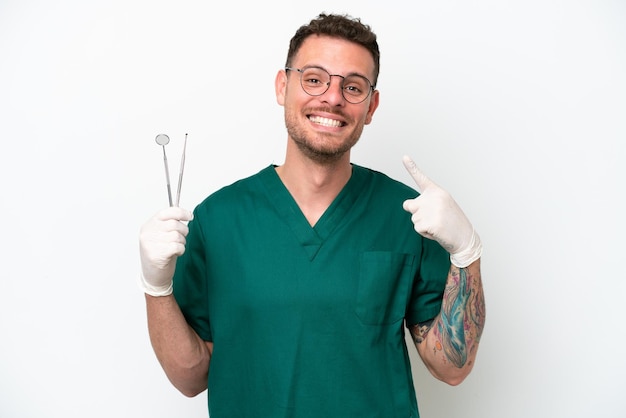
(161, 241)
(435, 215)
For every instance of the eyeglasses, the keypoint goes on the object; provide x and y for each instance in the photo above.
(315, 81)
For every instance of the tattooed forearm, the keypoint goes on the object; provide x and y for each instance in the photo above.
(452, 325)
(456, 331)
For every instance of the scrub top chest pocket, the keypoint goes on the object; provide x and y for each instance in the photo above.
(384, 289)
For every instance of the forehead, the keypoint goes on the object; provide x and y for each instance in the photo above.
(336, 55)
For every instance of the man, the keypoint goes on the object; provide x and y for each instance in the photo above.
(292, 287)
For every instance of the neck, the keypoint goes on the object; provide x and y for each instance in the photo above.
(314, 186)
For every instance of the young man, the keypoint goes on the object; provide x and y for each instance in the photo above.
(292, 287)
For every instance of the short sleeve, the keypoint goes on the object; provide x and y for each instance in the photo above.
(190, 286)
(429, 285)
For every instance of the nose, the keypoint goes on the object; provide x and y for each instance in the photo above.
(334, 93)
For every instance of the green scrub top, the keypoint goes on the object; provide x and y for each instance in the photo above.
(308, 321)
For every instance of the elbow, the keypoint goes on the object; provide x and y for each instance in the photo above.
(188, 380)
(453, 376)
(454, 380)
(190, 391)
(189, 387)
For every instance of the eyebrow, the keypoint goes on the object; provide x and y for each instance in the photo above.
(325, 69)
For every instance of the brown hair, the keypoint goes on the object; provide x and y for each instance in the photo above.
(337, 26)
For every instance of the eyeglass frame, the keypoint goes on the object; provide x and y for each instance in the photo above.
(301, 71)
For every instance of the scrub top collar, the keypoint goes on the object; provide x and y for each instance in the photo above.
(311, 238)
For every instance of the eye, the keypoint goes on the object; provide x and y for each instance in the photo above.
(355, 85)
(354, 89)
(315, 78)
(311, 81)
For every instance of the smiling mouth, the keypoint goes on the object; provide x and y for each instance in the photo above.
(326, 121)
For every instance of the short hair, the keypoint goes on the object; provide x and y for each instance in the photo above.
(337, 26)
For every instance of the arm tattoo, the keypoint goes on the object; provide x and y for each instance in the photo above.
(461, 321)
(462, 318)
(452, 325)
(420, 330)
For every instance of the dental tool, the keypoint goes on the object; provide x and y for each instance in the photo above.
(163, 140)
(180, 173)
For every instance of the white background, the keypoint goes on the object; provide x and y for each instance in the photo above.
(518, 108)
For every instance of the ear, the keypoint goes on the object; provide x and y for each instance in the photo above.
(280, 85)
(372, 107)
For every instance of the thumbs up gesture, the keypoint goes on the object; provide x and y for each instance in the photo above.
(436, 216)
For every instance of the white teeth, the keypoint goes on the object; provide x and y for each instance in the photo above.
(325, 121)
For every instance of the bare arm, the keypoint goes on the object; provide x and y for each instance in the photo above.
(449, 343)
(183, 355)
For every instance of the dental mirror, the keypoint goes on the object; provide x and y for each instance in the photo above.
(163, 140)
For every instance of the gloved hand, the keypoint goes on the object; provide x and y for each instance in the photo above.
(435, 215)
(161, 241)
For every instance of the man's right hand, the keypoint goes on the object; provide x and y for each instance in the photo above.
(161, 241)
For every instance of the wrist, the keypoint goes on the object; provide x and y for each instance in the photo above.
(152, 290)
(469, 254)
